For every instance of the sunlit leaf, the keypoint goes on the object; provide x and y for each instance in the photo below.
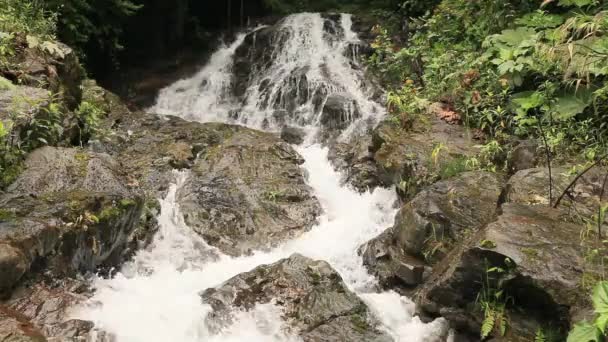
(569, 105)
(584, 332)
(600, 297)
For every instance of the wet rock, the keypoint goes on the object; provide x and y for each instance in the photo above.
(57, 69)
(14, 327)
(339, 111)
(70, 210)
(531, 186)
(293, 135)
(254, 55)
(248, 193)
(387, 262)
(430, 226)
(446, 212)
(356, 161)
(541, 264)
(18, 106)
(523, 156)
(406, 155)
(316, 305)
(46, 307)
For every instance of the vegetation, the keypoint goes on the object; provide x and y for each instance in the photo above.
(595, 331)
(508, 68)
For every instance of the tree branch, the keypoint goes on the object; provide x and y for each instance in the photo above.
(577, 178)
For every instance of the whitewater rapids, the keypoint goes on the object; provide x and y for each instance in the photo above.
(155, 297)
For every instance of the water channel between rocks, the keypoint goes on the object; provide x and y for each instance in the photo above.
(156, 296)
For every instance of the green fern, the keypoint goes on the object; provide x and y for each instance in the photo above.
(540, 336)
(488, 322)
(502, 323)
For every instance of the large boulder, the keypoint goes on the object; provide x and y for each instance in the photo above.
(356, 161)
(14, 327)
(529, 255)
(446, 212)
(316, 305)
(45, 309)
(430, 225)
(339, 111)
(531, 186)
(57, 67)
(248, 193)
(405, 157)
(70, 210)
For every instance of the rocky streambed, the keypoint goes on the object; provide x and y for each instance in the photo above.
(256, 201)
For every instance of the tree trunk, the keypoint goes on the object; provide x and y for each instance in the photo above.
(242, 13)
(228, 15)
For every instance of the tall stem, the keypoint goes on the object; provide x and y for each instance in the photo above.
(600, 219)
(548, 155)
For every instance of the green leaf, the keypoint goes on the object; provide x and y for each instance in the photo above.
(600, 297)
(488, 323)
(584, 332)
(569, 105)
(515, 37)
(601, 322)
(577, 3)
(32, 41)
(540, 19)
(527, 100)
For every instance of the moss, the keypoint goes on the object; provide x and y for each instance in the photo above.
(127, 202)
(7, 215)
(10, 174)
(109, 213)
(6, 84)
(453, 167)
(487, 244)
(531, 253)
(83, 161)
(359, 322)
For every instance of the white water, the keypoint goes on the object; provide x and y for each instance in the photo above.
(155, 297)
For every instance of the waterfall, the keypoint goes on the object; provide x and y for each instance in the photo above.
(155, 296)
(305, 60)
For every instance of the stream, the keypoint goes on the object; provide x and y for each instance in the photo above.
(155, 296)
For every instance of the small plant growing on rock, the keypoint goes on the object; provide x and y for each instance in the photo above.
(595, 331)
(493, 301)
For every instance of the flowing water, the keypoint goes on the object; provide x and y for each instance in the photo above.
(155, 296)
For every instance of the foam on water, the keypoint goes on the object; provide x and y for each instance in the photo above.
(155, 296)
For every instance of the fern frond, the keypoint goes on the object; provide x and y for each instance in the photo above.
(488, 323)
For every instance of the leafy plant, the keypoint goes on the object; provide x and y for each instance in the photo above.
(493, 302)
(595, 331)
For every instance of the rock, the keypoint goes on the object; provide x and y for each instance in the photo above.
(16, 328)
(69, 210)
(339, 111)
(257, 49)
(293, 135)
(541, 264)
(13, 264)
(18, 106)
(56, 169)
(429, 226)
(523, 156)
(46, 307)
(406, 156)
(316, 305)
(248, 193)
(446, 212)
(393, 268)
(531, 186)
(356, 162)
(59, 70)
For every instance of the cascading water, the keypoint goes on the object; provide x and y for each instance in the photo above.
(155, 296)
